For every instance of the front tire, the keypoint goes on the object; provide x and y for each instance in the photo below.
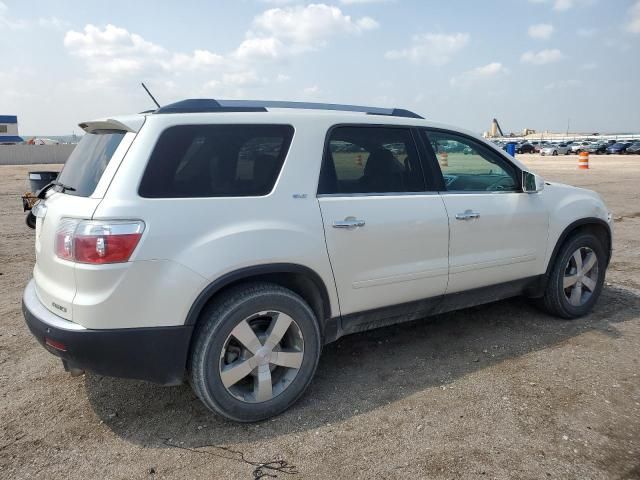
(577, 277)
(255, 352)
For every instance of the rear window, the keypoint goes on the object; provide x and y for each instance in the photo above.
(216, 161)
(87, 162)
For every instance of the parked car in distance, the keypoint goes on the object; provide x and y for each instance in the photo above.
(634, 148)
(618, 148)
(559, 149)
(597, 148)
(362, 226)
(579, 146)
(536, 145)
(525, 148)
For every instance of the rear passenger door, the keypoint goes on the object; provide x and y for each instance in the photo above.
(386, 229)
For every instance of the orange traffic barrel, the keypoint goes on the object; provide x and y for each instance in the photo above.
(583, 161)
(444, 159)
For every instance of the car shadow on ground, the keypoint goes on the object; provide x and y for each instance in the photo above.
(358, 373)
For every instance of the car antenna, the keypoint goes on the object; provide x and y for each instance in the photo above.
(152, 97)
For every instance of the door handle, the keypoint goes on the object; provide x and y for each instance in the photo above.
(349, 222)
(467, 215)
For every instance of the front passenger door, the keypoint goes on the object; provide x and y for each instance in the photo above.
(498, 233)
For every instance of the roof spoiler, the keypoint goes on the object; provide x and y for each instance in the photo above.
(130, 123)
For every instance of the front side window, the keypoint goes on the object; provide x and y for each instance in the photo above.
(370, 160)
(468, 165)
(216, 161)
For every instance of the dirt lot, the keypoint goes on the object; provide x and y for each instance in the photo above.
(499, 391)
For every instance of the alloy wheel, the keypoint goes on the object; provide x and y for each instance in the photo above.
(580, 276)
(261, 356)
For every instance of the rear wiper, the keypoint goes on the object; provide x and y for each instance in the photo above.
(55, 183)
(63, 187)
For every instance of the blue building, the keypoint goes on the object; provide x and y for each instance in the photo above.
(9, 130)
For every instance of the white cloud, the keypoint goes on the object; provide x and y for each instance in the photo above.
(52, 22)
(541, 30)
(199, 59)
(634, 12)
(542, 57)
(6, 21)
(275, 34)
(355, 2)
(311, 93)
(114, 50)
(110, 42)
(564, 5)
(469, 77)
(260, 48)
(304, 28)
(432, 48)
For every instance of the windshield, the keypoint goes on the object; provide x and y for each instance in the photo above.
(87, 162)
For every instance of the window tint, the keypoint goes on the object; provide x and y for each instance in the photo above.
(87, 162)
(216, 161)
(470, 166)
(371, 160)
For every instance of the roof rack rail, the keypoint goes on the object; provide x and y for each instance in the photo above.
(203, 105)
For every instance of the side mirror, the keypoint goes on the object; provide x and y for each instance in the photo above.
(532, 183)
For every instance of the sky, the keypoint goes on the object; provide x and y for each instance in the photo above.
(541, 64)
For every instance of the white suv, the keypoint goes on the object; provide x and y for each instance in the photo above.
(227, 241)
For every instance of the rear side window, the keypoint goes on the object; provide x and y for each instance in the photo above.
(216, 161)
(87, 162)
(370, 160)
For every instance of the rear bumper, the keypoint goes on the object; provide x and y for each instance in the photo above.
(157, 354)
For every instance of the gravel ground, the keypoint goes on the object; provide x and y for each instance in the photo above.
(498, 391)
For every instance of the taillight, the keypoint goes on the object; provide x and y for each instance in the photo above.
(97, 242)
(64, 238)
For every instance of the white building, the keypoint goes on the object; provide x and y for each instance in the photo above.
(9, 130)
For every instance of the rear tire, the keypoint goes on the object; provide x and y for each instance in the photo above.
(576, 278)
(255, 352)
(30, 220)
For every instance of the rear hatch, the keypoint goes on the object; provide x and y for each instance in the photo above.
(81, 186)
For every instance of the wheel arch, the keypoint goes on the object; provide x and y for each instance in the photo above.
(589, 224)
(300, 279)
